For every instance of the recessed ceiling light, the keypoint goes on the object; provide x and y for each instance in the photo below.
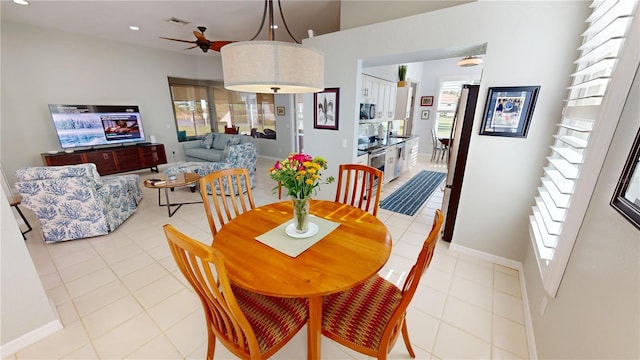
(21, 2)
(134, 28)
(274, 26)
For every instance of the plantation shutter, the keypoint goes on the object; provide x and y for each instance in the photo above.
(572, 149)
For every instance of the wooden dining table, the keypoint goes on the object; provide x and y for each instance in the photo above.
(356, 250)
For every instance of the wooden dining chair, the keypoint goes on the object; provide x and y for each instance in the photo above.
(228, 193)
(359, 186)
(250, 325)
(369, 317)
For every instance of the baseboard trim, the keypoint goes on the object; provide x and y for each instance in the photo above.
(33, 336)
(29, 338)
(531, 340)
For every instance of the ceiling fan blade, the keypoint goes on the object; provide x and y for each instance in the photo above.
(193, 47)
(199, 36)
(187, 41)
(217, 45)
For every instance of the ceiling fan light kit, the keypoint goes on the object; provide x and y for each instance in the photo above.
(272, 66)
(469, 61)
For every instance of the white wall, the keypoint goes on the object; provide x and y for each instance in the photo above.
(41, 67)
(534, 45)
(27, 314)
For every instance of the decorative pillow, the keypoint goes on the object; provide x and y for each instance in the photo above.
(232, 141)
(207, 141)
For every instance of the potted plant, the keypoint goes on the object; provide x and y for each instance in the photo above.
(402, 74)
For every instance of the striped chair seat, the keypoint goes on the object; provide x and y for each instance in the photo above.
(360, 314)
(369, 317)
(272, 318)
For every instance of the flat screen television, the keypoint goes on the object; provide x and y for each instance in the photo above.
(96, 125)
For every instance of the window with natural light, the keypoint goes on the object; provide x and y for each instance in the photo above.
(205, 106)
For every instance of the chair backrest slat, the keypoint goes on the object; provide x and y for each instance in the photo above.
(359, 186)
(231, 196)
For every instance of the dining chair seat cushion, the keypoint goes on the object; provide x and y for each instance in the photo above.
(271, 318)
(360, 314)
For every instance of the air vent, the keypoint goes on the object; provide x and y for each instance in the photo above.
(177, 21)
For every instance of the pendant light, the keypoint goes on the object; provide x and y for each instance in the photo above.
(272, 66)
(470, 61)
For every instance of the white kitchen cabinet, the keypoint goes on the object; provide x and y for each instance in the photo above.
(390, 108)
(403, 103)
(369, 89)
(363, 159)
(390, 163)
(380, 92)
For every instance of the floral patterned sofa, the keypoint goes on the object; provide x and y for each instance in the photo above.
(75, 202)
(239, 156)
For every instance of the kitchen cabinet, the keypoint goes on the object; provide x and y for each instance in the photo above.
(363, 159)
(403, 103)
(389, 164)
(380, 92)
(369, 89)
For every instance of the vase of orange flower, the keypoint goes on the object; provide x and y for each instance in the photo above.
(301, 175)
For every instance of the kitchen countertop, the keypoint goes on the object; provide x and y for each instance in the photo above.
(380, 144)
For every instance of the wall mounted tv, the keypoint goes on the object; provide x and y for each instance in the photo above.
(96, 125)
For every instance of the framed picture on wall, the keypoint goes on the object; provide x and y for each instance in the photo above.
(626, 197)
(424, 115)
(426, 101)
(508, 111)
(280, 110)
(326, 109)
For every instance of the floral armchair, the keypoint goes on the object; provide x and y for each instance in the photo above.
(75, 202)
(239, 156)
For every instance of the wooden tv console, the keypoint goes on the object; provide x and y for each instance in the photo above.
(113, 160)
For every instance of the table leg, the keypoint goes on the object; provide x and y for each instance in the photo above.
(314, 328)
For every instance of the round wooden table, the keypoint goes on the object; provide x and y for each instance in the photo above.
(350, 254)
(181, 179)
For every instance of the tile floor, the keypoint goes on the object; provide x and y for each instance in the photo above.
(121, 296)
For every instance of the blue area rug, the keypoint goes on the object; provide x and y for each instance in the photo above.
(412, 194)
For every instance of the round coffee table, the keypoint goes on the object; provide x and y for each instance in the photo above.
(163, 182)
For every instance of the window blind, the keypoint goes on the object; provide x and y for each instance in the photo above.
(607, 28)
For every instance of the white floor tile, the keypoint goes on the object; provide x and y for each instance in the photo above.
(510, 336)
(101, 321)
(126, 338)
(472, 292)
(453, 343)
(508, 306)
(175, 308)
(507, 284)
(158, 290)
(158, 348)
(469, 318)
(100, 297)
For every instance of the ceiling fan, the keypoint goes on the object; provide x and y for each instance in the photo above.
(202, 41)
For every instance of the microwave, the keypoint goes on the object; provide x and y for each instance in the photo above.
(367, 111)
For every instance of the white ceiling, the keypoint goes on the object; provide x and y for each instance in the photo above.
(235, 20)
(225, 20)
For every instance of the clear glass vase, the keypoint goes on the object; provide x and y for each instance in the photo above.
(301, 214)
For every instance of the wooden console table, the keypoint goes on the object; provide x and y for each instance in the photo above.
(112, 160)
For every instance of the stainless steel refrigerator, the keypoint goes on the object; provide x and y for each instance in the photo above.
(461, 130)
